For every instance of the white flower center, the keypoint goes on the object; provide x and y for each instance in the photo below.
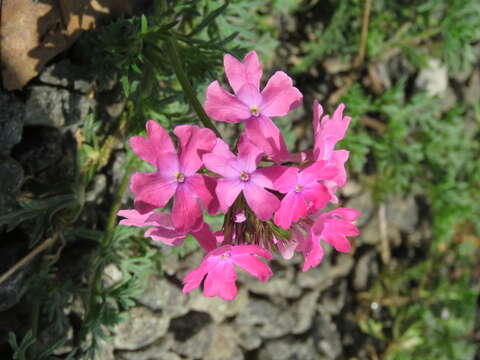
(255, 110)
(244, 176)
(180, 177)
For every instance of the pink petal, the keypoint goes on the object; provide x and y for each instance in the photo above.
(194, 278)
(204, 188)
(339, 158)
(194, 143)
(251, 249)
(249, 155)
(319, 170)
(227, 191)
(250, 96)
(287, 180)
(223, 106)
(156, 142)
(286, 248)
(222, 161)
(292, 208)
(168, 236)
(186, 212)
(329, 132)
(264, 134)
(280, 96)
(262, 202)
(205, 237)
(151, 191)
(347, 213)
(168, 165)
(313, 253)
(239, 74)
(253, 265)
(318, 194)
(266, 177)
(134, 218)
(220, 281)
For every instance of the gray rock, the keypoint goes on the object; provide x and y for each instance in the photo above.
(433, 79)
(159, 350)
(327, 337)
(403, 213)
(11, 175)
(223, 345)
(161, 294)
(98, 189)
(217, 308)
(304, 311)
(56, 107)
(196, 346)
(248, 337)
(288, 349)
(472, 90)
(324, 275)
(282, 283)
(11, 122)
(333, 301)
(366, 267)
(141, 328)
(67, 75)
(364, 203)
(270, 320)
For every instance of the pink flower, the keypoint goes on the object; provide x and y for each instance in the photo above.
(335, 226)
(327, 132)
(176, 174)
(309, 245)
(252, 106)
(219, 272)
(240, 174)
(162, 228)
(303, 191)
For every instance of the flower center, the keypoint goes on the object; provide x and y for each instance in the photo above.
(244, 176)
(224, 255)
(180, 177)
(255, 110)
(298, 188)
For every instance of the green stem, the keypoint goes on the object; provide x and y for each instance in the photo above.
(106, 243)
(172, 52)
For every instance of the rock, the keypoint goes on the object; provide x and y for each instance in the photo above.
(11, 175)
(141, 328)
(67, 75)
(370, 234)
(324, 275)
(111, 275)
(281, 284)
(472, 90)
(159, 350)
(193, 334)
(217, 308)
(366, 267)
(248, 337)
(351, 188)
(433, 79)
(161, 294)
(223, 345)
(364, 203)
(11, 122)
(288, 349)
(56, 107)
(335, 65)
(333, 301)
(304, 311)
(99, 187)
(327, 337)
(272, 321)
(402, 213)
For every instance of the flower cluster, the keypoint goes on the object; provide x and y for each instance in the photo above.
(271, 199)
